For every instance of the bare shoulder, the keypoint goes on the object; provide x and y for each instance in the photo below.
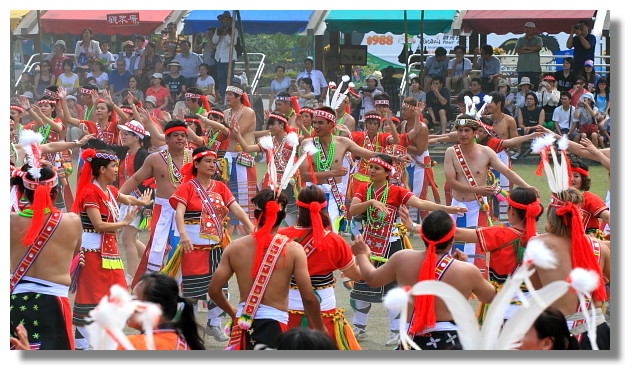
(293, 248)
(71, 218)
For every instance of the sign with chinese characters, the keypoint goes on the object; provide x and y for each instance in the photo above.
(122, 19)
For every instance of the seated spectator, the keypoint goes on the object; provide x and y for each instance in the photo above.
(118, 78)
(548, 99)
(150, 104)
(524, 87)
(590, 75)
(205, 82)
(475, 89)
(510, 98)
(106, 56)
(565, 77)
(602, 96)
(438, 103)
(97, 71)
(43, 78)
(68, 80)
(490, 67)
(158, 91)
(57, 58)
(279, 84)
(563, 115)
(586, 113)
(175, 82)
(530, 116)
(415, 90)
(436, 65)
(458, 71)
(579, 89)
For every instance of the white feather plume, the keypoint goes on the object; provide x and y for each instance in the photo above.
(395, 299)
(292, 139)
(584, 281)
(309, 148)
(108, 320)
(540, 143)
(29, 137)
(266, 142)
(538, 253)
(563, 143)
(346, 78)
(486, 100)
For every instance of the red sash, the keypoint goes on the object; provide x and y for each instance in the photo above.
(258, 288)
(470, 179)
(34, 250)
(177, 174)
(211, 217)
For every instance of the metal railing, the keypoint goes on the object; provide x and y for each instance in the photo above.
(256, 65)
(508, 66)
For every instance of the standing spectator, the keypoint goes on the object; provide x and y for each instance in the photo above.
(148, 60)
(565, 77)
(436, 65)
(391, 88)
(548, 99)
(579, 88)
(279, 84)
(139, 44)
(57, 57)
(129, 56)
(204, 81)
(118, 78)
(170, 42)
(190, 62)
(590, 75)
(203, 46)
(438, 103)
(490, 67)
(319, 82)
(583, 44)
(222, 40)
(160, 92)
(415, 90)
(528, 49)
(97, 71)
(367, 93)
(68, 80)
(175, 82)
(458, 71)
(43, 78)
(86, 50)
(563, 115)
(106, 56)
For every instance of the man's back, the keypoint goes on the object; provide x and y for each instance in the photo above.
(240, 254)
(54, 261)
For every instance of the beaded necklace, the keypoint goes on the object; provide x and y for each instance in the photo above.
(45, 130)
(212, 138)
(27, 212)
(324, 161)
(375, 219)
(278, 153)
(88, 112)
(174, 179)
(368, 143)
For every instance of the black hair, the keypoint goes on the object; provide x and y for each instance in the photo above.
(477, 80)
(435, 226)
(568, 59)
(264, 196)
(280, 66)
(597, 90)
(45, 174)
(271, 120)
(90, 87)
(416, 79)
(195, 152)
(68, 62)
(303, 338)
(310, 194)
(585, 184)
(524, 196)
(440, 51)
(437, 78)
(206, 66)
(533, 94)
(174, 123)
(186, 42)
(163, 290)
(97, 163)
(381, 96)
(487, 49)
(151, 45)
(552, 323)
(307, 80)
(462, 48)
(385, 158)
(140, 37)
(197, 124)
(497, 97)
(565, 93)
(585, 22)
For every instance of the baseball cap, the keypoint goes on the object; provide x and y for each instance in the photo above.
(157, 75)
(71, 97)
(588, 63)
(28, 94)
(135, 127)
(530, 24)
(151, 99)
(60, 43)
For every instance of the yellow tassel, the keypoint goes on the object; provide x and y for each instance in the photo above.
(173, 267)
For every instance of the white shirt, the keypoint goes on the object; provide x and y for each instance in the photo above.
(564, 118)
(317, 80)
(222, 46)
(460, 68)
(189, 64)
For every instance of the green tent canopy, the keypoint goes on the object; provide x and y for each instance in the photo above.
(383, 21)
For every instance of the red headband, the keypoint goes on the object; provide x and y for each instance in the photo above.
(324, 114)
(366, 117)
(194, 120)
(423, 313)
(204, 154)
(32, 184)
(86, 91)
(126, 110)
(306, 110)
(217, 113)
(47, 101)
(17, 108)
(382, 163)
(316, 220)
(176, 129)
(580, 170)
(51, 94)
(532, 210)
(279, 118)
(382, 102)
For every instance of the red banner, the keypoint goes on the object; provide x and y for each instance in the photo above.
(122, 19)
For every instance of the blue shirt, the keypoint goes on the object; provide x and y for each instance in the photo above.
(119, 82)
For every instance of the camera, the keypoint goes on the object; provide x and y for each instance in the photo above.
(576, 26)
(366, 89)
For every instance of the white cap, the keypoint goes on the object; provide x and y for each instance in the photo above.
(151, 99)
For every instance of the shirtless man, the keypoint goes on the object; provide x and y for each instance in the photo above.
(164, 167)
(242, 171)
(571, 247)
(465, 168)
(327, 162)
(39, 294)
(404, 267)
(269, 317)
(420, 174)
(504, 128)
(286, 104)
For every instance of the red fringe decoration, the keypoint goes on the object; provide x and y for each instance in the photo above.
(316, 221)
(85, 177)
(263, 235)
(187, 171)
(294, 104)
(41, 202)
(246, 100)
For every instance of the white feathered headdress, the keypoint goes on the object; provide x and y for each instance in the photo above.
(491, 336)
(338, 96)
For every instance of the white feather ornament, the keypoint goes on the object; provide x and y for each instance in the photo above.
(583, 280)
(395, 299)
(266, 142)
(538, 253)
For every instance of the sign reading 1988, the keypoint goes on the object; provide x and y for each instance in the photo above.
(122, 19)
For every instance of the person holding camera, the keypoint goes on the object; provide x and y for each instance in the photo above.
(223, 41)
(583, 44)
